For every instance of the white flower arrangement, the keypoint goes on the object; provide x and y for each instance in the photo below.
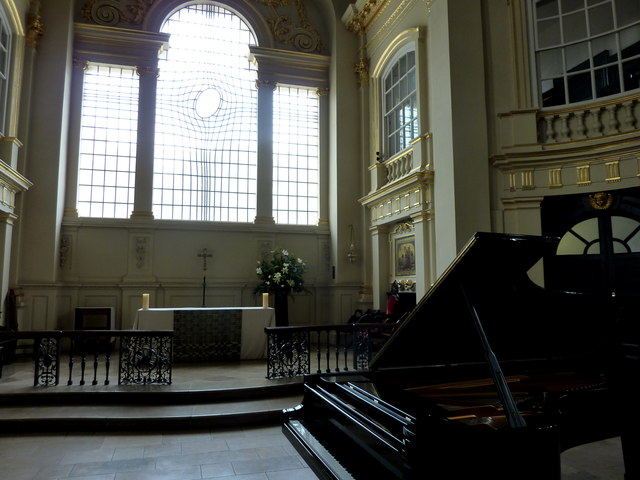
(281, 273)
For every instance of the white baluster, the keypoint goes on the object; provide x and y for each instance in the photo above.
(549, 133)
(612, 122)
(627, 117)
(579, 131)
(564, 128)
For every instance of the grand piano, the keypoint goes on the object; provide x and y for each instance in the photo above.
(490, 374)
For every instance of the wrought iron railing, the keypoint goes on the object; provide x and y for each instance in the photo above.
(144, 356)
(293, 351)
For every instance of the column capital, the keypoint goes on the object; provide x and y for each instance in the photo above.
(7, 218)
(147, 71)
(322, 91)
(261, 83)
(80, 63)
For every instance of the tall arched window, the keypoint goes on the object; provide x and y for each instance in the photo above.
(585, 49)
(206, 143)
(400, 104)
(201, 107)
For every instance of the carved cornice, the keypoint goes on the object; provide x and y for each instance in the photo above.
(301, 34)
(115, 12)
(360, 15)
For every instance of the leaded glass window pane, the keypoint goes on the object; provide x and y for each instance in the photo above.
(400, 104)
(205, 165)
(108, 140)
(575, 38)
(295, 156)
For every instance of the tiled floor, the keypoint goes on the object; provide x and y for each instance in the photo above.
(247, 454)
(244, 453)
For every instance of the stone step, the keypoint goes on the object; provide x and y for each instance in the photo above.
(140, 416)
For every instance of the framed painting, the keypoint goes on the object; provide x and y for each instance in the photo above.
(405, 255)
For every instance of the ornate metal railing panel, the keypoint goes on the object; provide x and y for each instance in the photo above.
(288, 352)
(145, 359)
(145, 356)
(47, 359)
(291, 351)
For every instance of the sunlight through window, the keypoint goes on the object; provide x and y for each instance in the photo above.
(205, 164)
(106, 171)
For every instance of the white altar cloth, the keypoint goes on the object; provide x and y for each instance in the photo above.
(254, 320)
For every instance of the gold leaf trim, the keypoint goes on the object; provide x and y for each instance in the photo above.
(600, 200)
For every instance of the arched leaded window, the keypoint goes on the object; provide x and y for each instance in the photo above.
(204, 161)
(400, 107)
(205, 164)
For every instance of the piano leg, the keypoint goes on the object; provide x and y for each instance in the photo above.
(631, 454)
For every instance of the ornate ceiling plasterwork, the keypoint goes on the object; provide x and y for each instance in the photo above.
(114, 12)
(287, 19)
(302, 35)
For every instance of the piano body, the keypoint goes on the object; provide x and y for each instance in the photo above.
(489, 375)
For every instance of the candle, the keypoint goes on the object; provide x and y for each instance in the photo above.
(145, 301)
(265, 300)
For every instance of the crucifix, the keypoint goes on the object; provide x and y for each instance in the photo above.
(203, 254)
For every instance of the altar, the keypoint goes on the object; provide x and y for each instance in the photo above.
(211, 334)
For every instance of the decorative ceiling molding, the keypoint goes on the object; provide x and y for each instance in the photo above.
(115, 12)
(301, 35)
(361, 14)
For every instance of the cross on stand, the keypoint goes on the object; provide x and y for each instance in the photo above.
(204, 254)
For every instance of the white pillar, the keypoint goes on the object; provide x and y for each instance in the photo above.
(323, 158)
(264, 200)
(143, 200)
(380, 273)
(75, 118)
(6, 230)
(425, 252)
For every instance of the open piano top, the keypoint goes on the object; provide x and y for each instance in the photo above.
(490, 374)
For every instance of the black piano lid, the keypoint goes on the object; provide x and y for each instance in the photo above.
(522, 320)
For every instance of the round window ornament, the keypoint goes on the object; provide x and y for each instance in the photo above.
(208, 103)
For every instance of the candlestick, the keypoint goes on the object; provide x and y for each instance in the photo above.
(265, 300)
(145, 301)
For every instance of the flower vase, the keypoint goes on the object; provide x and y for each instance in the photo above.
(281, 304)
